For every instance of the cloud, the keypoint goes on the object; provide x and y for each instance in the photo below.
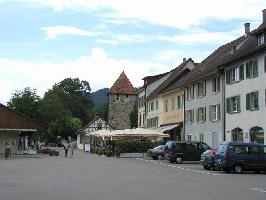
(55, 31)
(97, 68)
(172, 13)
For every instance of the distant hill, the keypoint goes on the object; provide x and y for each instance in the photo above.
(100, 97)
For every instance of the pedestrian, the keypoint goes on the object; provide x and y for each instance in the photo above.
(66, 146)
(7, 150)
(71, 148)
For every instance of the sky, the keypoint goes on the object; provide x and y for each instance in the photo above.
(44, 41)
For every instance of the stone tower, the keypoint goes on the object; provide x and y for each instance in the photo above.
(122, 98)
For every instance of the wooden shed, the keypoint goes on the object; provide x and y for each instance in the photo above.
(15, 128)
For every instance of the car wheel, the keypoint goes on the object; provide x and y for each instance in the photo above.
(238, 169)
(155, 158)
(179, 160)
(160, 157)
(171, 161)
(207, 167)
(227, 170)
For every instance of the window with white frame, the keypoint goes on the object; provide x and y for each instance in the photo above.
(189, 116)
(172, 103)
(252, 101)
(166, 105)
(235, 74)
(201, 115)
(157, 104)
(189, 136)
(180, 101)
(152, 122)
(252, 69)
(261, 39)
(190, 92)
(214, 112)
(201, 89)
(215, 84)
(233, 104)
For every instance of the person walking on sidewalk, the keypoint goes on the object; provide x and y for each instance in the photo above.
(71, 148)
(66, 146)
(7, 150)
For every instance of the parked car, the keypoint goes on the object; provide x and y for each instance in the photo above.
(238, 156)
(185, 151)
(208, 159)
(157, 152)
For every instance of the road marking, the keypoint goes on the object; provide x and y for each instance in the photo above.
(258, 189)
(187, 169)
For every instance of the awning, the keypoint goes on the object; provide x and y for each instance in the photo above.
(167, 128)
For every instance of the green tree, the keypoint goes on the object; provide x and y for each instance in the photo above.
(27, 102)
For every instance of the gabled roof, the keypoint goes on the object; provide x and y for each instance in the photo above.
(248, 48)
(91, 122)
(208, 67)
(11, 119)
(151, 79)
(122, 85)
(177, 73)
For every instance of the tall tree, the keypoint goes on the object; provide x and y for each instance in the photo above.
(27, 102)
(134, 117)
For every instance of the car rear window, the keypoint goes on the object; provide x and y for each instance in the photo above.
(221, 149)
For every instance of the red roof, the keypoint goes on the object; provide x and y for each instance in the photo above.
(122, 85)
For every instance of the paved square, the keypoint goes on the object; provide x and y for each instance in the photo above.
(91, 177)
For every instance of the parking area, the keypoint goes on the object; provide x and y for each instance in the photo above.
(94, 177)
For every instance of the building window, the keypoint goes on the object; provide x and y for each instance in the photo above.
(140, 120)
(172, 103)
(143, 118)
(233, 104)
(189, 137)
(201, 89)
(166, 105)
(117, 96)
(201, 115)
(214, 112)
(153, 122)
(252, 69)
(99, 126)
(179, 101)
(152, 107)
(252, 102)
(189, 116)
(216, 85)
(190, 92)
(235, 74)
(157, 104)
(261, 39)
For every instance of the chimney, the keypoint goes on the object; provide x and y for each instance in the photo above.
(247, 28)
(264, 16)
(184, 60)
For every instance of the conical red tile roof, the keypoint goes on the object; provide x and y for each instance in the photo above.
(122, 85)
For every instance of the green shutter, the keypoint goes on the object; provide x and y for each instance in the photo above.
(256, 100)
(247, 70)
(219, 112)
(241, 71)
(238, 104)
(228, 107)
(255, 68)
(204, 114)
(265, 64)
(228, 76)
(210, 113)
(248, 101)
(197, 114)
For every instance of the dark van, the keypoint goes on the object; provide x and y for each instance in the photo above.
(238, 156)
(185, 151)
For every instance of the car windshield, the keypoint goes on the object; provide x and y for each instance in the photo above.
(159, 147)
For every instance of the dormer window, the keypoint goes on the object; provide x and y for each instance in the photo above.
(261, 39)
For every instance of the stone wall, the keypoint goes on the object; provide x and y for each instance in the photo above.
(120, 108)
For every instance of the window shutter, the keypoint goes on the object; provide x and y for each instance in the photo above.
(228, 107)
(256, 99)
(218, 112)
(228, 76)
(204, 114)
(197, 89)
(265, 64)
(192, 113)
(210, 113)
(197, 114)
(255, 68)
(218, 83)
(248, 101)
(213, 85)
(238, 104)
(247, 70)
(192, 96)
(241, 71)
(204, 90)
